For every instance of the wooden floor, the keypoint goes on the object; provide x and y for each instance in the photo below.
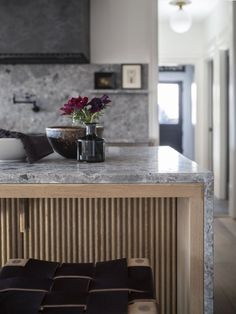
(225, 266)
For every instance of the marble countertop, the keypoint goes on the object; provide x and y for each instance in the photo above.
(123, 165)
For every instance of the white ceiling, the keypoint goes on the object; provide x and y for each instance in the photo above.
(199, 9)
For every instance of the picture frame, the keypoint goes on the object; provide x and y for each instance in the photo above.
(131, 76)
(104, 80)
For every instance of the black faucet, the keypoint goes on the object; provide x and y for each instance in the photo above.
(27, 99)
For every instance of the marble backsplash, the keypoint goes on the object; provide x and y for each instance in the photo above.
(125, 121)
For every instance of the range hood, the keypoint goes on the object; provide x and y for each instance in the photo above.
(42, 31)
(43, 58)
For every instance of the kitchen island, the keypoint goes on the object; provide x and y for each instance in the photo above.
(141, 202)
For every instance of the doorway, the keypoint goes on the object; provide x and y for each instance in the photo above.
(175, 101)
(170, 114)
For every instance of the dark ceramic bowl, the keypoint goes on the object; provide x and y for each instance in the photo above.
(63, 139)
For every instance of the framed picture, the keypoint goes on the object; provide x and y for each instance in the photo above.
(104, 80)
(131, 76)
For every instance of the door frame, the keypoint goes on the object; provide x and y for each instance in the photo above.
(210, 86)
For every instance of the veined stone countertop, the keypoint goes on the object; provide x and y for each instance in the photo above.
(122, 165)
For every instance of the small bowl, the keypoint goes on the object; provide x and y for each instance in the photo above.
(11, 150)
(63, 139)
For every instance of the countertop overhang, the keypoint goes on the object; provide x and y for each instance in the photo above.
(123, 165)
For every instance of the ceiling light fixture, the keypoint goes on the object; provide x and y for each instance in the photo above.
(180, 20)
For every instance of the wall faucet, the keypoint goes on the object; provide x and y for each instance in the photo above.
(27, 99)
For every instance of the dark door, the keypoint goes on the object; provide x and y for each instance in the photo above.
(170, 114)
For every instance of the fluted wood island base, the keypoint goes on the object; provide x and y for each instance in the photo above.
(153, 203)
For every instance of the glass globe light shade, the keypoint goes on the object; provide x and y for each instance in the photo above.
(180, 21)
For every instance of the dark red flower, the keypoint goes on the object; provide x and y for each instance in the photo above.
(67, 109)
(81, 103)
(74, 104)
(98, 104)
(105, 99)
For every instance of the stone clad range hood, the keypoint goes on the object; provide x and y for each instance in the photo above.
(42, 31)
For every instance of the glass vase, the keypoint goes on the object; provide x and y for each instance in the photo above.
(91, 148)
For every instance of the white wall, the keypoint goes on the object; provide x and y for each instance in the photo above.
(125, 31)
(187, 46)
(217, 24)
(120, 31)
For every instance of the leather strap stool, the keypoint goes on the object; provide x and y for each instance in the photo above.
(112, 287)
